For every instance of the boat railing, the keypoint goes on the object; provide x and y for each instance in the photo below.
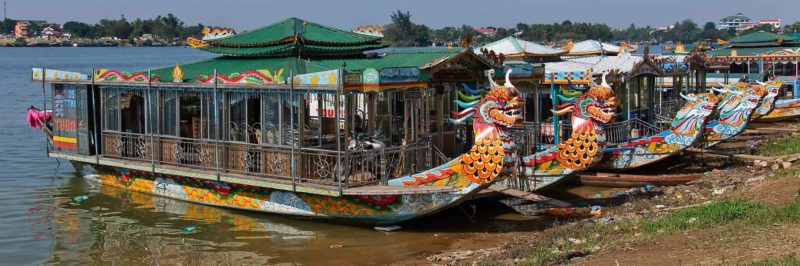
(127, 145)
(314, 165)
(629, 129)
(534, 137)
(378, 166)
(668, 108)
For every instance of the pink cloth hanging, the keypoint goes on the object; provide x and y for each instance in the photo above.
(37, 117)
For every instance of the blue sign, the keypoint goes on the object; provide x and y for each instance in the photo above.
(392, 75)
(519, 70)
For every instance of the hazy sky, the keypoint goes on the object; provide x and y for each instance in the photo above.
(248, 14)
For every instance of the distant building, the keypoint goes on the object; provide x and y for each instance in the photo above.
(776, 23)
(488, 31)
(734, 22)
(21, 29)
(52, 31)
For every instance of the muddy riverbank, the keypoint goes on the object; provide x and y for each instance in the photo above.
(741, 211)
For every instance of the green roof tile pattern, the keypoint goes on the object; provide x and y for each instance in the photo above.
(227, 65)
(284, 49)
(285, 31)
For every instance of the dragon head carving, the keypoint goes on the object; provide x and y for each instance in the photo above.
(494, 151)
(689, 119)
(592, 109)
(494, 113)
(773, 88)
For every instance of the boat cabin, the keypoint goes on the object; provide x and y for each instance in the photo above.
(294, 105)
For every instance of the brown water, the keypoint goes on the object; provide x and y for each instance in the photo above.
(123, 226)
(40, 222)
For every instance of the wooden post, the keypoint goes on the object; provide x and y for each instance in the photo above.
(556, 118)
(97, 127)
(291, 135)
(216, 125)
(149, 120)
(336, 117)
(44, 109)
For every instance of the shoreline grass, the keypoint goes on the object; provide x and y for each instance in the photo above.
(779, 147)
(736, 213)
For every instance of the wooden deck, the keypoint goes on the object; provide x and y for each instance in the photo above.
(397, 190)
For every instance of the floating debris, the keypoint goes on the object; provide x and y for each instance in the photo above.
(80, 198)
(189, 229)
(388, 228)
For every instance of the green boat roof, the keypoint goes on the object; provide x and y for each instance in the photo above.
(750, 51)
(763, 38)
(395, 58)
(292, 36)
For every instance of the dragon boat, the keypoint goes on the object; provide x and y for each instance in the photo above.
(778, 109)
(299, 119)
(686, 129)
(588, 112)
(734, 113)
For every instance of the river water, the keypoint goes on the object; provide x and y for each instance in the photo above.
(40, 222)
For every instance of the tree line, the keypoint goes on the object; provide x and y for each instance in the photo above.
(403, 32)
(164, 28)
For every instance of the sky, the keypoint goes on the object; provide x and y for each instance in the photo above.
(248, 14)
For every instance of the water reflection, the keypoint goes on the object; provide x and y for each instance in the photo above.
(121, 226)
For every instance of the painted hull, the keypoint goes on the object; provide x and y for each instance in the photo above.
(372, 209)
(544, 169)
(642, 151)
(785, 109)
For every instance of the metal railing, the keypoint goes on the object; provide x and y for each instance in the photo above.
(629, 129)
(668, 108)
(317, 166)
(534, 137)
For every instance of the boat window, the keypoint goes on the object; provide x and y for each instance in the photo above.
(111, 113)
(289, 118)
(447, 106)
(208, 118)
(190, 125)
(124, 110)
(383, 116)
(169, 111)
(398, 109)
(245, 117)
(433, 95)
(272, 109)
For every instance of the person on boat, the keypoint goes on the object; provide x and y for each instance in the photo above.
(744, 79)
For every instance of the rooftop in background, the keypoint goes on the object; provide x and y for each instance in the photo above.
(291, 36)
(760, 43)
(512, 47)
(593, 47)
(738, 17)
(485, 31)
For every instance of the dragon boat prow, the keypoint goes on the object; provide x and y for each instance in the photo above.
(685, 130)
(582, 150)
(735, 112)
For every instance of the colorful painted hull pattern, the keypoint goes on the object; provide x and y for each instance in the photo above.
(379, 209)
(734, 114)
(492, 157)
(784, 109)
(585, 146)
(686, 128)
